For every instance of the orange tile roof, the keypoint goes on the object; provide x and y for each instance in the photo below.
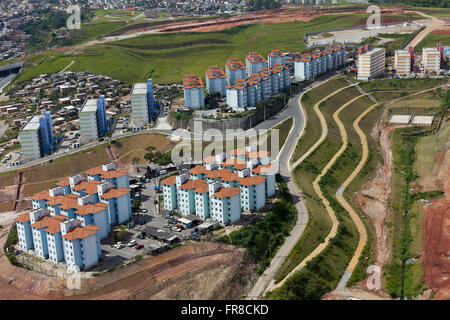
(255, 57)
(41, 195)
(232, 176)
(264, 168)
(192, 81)
(81, 232)
(252, 181)
(237, 163)
(115, 193)
(276, 53)
(214, 174)
(114, 174)
(234, 64)
(91, 208)
(170, 180)
(94, 171)
(214, 72)
(63, 182)
(23, 217)
(227, 192)
(198, 185)
(198, 170)
(90, 187)
(258, 154)
(52, 223)
(65, 202)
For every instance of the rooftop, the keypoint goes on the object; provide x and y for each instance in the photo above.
(81, 232)
(90, 105)
(192, 81)
(227, 192)
(255, 57)
(215, 72)
(234, 64)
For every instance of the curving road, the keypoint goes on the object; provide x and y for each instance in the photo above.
(325, 202)
(355, 217)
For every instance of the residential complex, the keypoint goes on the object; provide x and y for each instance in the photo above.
(317, 62)
(222, 188)
(93, 122)
(68, 221)
(142, 104)
(36, 137)
(259, 86)
(275, 56)
(402, 62)
(216, 80)
(431, 60)
(371, 64)
(254, 63)
(193, 91)
(234, 70)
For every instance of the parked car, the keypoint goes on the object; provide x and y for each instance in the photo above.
(162, 172)
(144, 210)
(120, 245)
(155, 201)
(141, 235)
(166, 225)
(132, 243)
(180, 226)
(139, 246)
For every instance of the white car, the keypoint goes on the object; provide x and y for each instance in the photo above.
(132, 243)
(119, 245)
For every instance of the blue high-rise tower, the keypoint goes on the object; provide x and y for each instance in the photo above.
(102, 123)
(152, 112)
(46, 133)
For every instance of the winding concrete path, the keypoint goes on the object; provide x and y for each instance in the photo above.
(339, 195)
(324, 200)
(323, 124)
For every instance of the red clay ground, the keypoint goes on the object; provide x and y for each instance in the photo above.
(436, 246)
(441, 32)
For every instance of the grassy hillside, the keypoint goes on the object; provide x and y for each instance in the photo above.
(168, 57)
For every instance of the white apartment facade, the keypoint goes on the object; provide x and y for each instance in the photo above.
(371, 64)
(431, 60)
(402, 62)
(139, 108)
(88, 121)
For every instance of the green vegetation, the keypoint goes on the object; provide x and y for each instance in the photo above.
(313, 127)
(263, 237)
(431, 40)
(168, 57)
(411, 85)
(403, 280)
(8, 247)
(417, 3)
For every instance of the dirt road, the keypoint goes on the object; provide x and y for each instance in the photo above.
(436, 24)
(355, 217)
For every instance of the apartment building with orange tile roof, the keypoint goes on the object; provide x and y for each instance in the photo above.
(193, 91)
(216, 80)
(42, 235)
(92, 202)
(317, 62)
(254, 63)
(209, 189)
(237, 95)
(276, 57)
(235, 70)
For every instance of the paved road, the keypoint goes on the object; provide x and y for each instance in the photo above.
(294, 110)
